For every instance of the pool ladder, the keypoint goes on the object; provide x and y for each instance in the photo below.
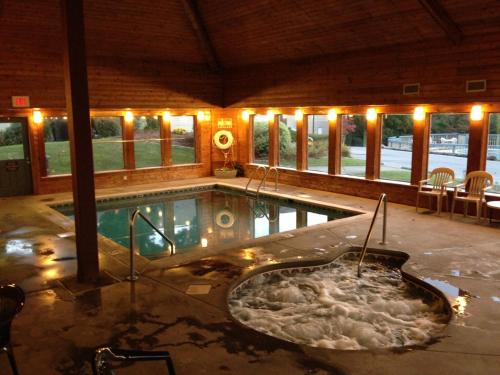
(131, 228)
(262, 183)
(382, 198)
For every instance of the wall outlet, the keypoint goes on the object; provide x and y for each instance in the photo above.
(125, 177)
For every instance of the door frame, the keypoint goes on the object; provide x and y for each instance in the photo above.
(27, 142)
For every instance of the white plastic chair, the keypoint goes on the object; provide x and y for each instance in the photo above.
(439, 178)
(475, 185)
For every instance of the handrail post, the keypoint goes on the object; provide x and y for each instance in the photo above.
(253, 176)
(276, 177)
(384, 223)
(133, 275)
(383, 198)
(266, 172)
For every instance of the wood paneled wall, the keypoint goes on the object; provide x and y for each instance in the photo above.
(135, 59)
(372, 76)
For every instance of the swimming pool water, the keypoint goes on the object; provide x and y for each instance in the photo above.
(210, 218)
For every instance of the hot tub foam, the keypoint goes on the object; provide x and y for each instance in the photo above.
(331, 307)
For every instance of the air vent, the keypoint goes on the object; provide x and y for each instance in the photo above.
(477, 85)
(411, 89)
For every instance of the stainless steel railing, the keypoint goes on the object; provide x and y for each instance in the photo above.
(131, 227)
(382, 198)
(253, 175)
(262, 182)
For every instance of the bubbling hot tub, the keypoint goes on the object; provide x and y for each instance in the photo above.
(327, 305)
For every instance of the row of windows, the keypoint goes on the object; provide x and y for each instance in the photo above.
(108, 143)
(448, 144)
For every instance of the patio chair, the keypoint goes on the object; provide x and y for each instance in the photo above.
(472, 190)
(104, 356)
(439, 178)
(11, 303)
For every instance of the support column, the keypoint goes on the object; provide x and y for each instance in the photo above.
(128, 145)
(166, 142)
(82, 168)
(274, 146)
(420, 149)
(478, 142)
(334, 144)
(373, 142)
(302, 144)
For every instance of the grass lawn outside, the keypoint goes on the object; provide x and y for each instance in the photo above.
(402, 175)
(107, 155)
(15, 152)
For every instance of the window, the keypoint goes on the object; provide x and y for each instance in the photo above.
(11, 141)
(107, 144)
(57, 154)
(449, 143)
(397, 143)
(317, 143)
(183, 139)
(147, 148)
(288, 141)
(260, 139)
(353, 161)
(493, 151)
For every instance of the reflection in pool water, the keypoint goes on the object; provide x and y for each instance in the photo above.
(207, 219)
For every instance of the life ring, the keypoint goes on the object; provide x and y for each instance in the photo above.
(224, 219)
(221, 135)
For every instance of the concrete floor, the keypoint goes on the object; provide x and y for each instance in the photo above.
(63, 322)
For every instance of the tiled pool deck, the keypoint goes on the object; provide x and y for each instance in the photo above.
(62, 323)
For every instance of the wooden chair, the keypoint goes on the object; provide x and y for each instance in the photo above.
(439, 178)
(475, 185)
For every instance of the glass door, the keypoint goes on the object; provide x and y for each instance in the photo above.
(15, 165)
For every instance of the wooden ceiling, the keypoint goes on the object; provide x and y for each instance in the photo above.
(241, 32)
(262, 31)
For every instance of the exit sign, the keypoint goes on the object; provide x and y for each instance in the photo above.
(20, 101)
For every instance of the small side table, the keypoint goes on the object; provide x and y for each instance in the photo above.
(492, 206)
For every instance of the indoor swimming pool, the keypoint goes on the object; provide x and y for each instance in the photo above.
(203, 218)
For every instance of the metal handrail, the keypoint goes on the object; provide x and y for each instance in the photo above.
(253, 175)
(382, 198)
(133, 276)
(276, 177)
(262, 181)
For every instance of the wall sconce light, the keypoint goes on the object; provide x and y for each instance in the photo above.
(299, 114)
(37, 117)
(129, 116)
(332, 114)
(419, 114)
(245, 115)
(201, 116)
(166, 116)
(371, 114)
(270, 115)
(204, 242)
(476, 113)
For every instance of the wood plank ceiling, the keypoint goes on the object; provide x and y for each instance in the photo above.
(263, 31)
(239, 32)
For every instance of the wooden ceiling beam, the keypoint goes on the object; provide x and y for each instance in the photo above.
(439, 14)
(194, 16)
